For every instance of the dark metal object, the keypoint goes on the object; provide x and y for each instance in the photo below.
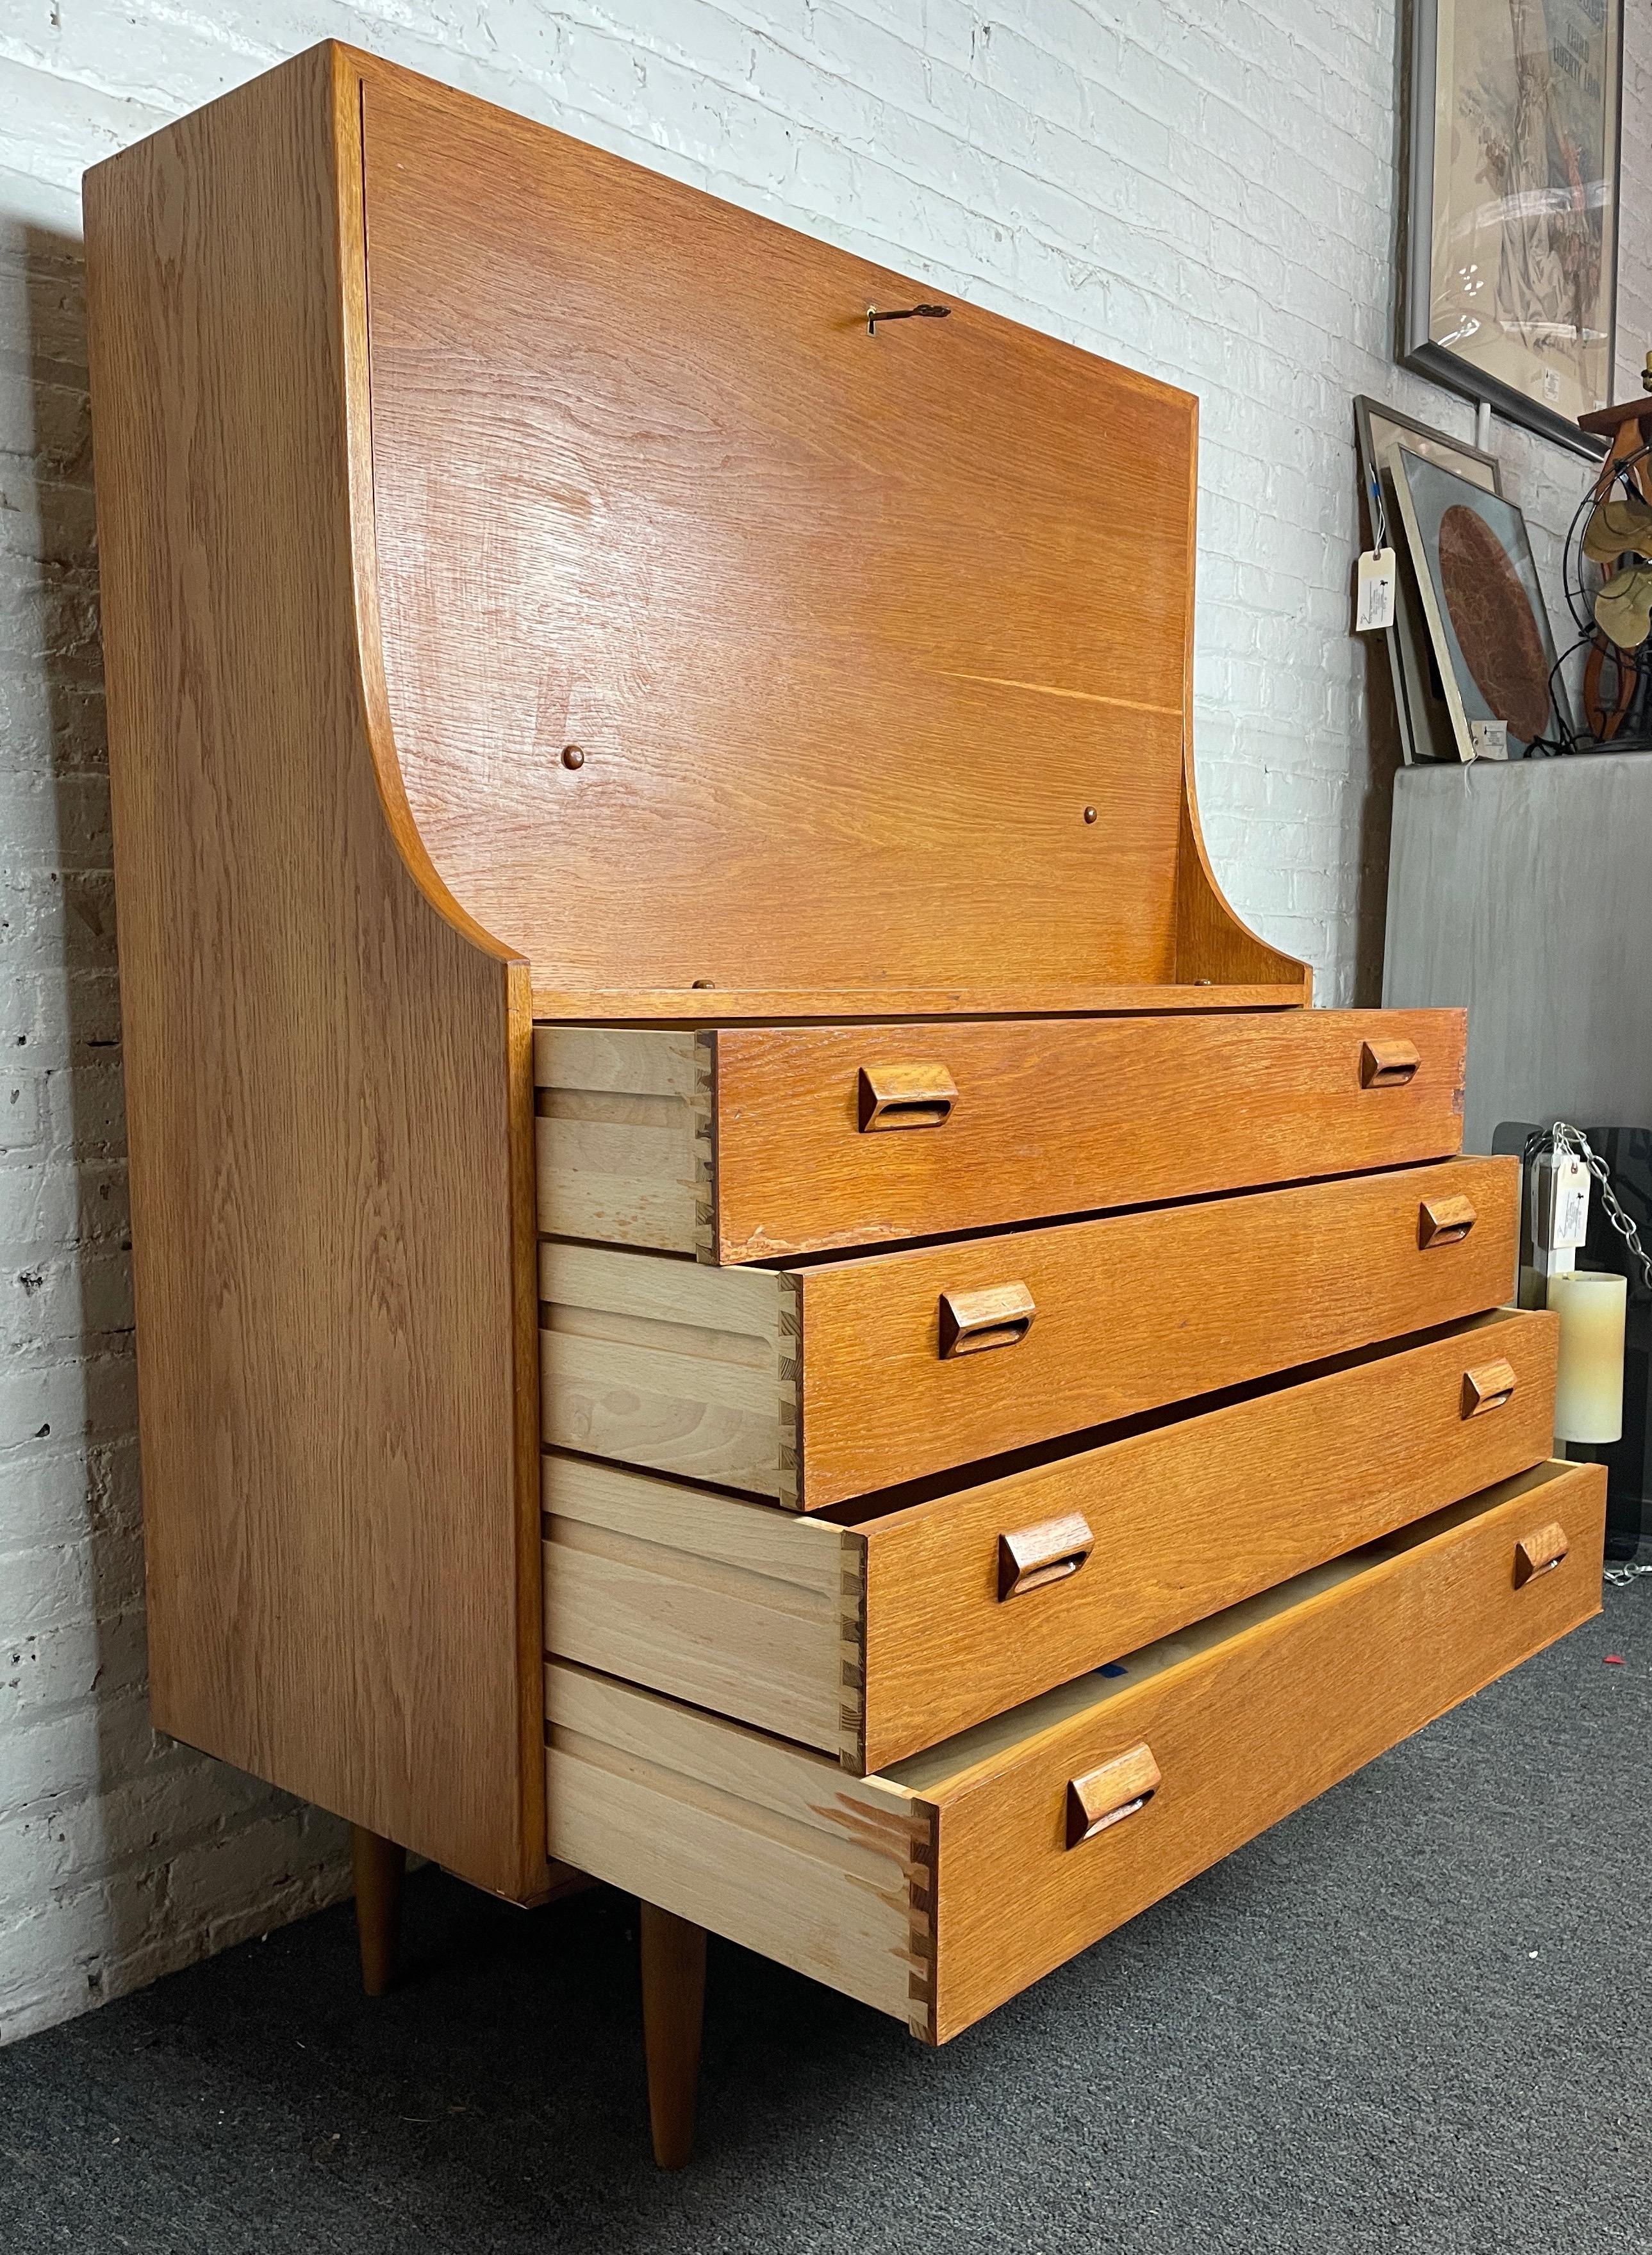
(573, 756)
(909, 313)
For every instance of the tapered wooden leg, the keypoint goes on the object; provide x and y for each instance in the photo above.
(379, 1867)
(673, 2003)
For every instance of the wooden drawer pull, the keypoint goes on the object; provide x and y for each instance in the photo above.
(905, 1096)
(1488, 1388)
(1034, 1556)
(1540, 1553)
(1108, 1796)
(1388, 1064)
(1443, 1221)
(1000, 1314)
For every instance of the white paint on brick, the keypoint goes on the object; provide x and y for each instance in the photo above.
(1205, 192)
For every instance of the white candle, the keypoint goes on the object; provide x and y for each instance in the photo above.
(1588, 1384)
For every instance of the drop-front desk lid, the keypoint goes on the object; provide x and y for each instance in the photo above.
(736, 642)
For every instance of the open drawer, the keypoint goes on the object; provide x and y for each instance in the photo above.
(875, 1637)
(814, 1384)
(750, 1143)
(938, 1888)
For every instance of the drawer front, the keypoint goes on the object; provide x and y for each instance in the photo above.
(755, 1143)
(1231, 1733)
(977, 1601)
(937, 1889)
(836, 1135)
(914, 1361)
(873, 1640)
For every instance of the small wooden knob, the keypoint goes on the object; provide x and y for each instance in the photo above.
(1443, 1221)
(999, 1315)
(1106, 1796)
(1032, 1557)
(1486, 1387)
(1388, 1064)
(904, 1096)
(1539, 1553)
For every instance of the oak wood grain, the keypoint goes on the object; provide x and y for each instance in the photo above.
(327, 1066)
(845, 632)
(1260, 1710)
(738, 1003)
(816, 1384)
(884, 1634)
(1188, 1517)
(938, 1889)
(1134, 1309)
(1046, 1119)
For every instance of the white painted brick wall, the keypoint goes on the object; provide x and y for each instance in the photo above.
(1207, 193)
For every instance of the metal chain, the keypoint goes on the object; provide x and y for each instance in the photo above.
(1569, 1142)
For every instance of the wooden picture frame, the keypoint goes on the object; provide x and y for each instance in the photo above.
(1511, 227)
(1497, 662)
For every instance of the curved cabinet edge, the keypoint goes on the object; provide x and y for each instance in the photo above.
(1213, 947)
(345, 88)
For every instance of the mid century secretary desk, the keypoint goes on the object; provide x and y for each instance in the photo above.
(747, 1283)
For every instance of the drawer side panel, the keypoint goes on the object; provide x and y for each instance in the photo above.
(767, 1845)
(729, 1605)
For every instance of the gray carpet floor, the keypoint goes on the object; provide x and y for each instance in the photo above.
(1413, 2019)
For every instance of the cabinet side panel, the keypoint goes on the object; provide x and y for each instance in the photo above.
(329, 1178)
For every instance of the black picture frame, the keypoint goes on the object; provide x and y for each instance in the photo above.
(1420, 349)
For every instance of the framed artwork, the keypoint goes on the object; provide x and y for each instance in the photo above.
(1425, 725)
(1512, 208)
(1487, 619)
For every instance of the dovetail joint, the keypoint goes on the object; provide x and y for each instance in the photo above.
(705, 1111)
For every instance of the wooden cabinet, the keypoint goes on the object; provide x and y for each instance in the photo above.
(670, 970)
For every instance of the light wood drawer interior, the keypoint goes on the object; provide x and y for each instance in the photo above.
(937, 1889)
(751, 1143)
(816, 1384)
(877, 1638)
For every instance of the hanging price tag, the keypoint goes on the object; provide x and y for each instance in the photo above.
(1561, 1219)
(1374, 599)
(1571, 1203)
